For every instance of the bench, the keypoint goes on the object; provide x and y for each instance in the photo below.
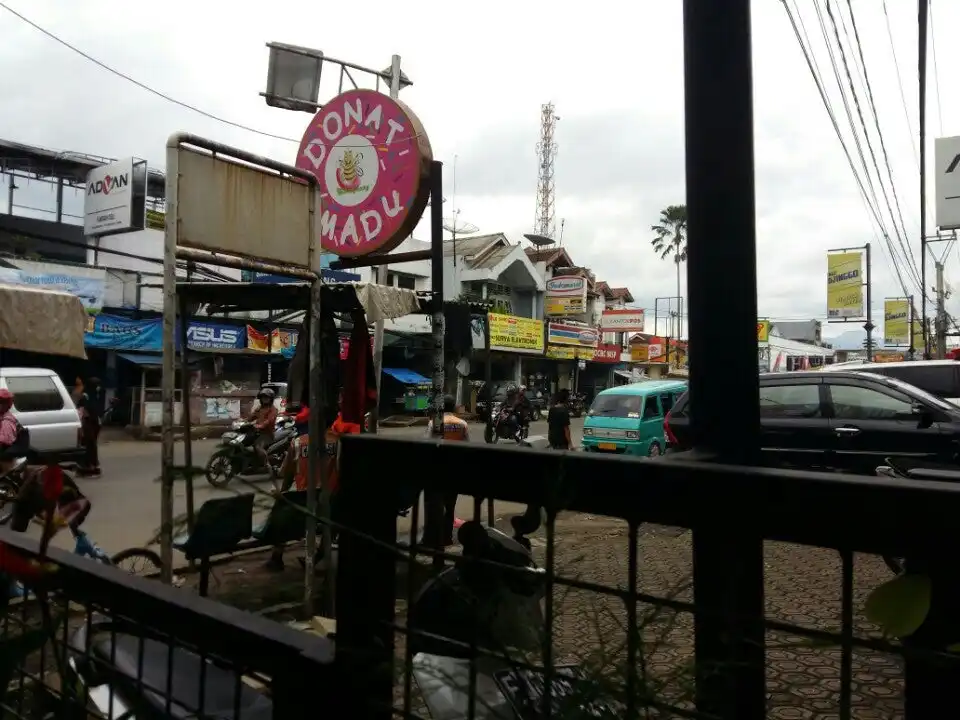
(224, 526)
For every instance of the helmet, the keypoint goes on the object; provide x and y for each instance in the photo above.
(6, 395)
(266, 393)
(523, 388)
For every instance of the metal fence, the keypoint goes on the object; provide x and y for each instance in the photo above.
(714, 640)
(109, 644)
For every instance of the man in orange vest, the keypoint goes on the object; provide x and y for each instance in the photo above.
(295, 469)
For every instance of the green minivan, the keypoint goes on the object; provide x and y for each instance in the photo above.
(629, 419)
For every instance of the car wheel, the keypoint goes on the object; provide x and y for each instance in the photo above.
(654, 450)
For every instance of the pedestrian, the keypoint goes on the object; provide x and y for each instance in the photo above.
(558, 422)
(558, 435)
(454, 429)
(89, 410)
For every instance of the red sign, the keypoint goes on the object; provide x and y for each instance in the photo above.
(373, 159)
(606, 354)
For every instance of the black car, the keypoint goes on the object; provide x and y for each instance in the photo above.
(847, 421)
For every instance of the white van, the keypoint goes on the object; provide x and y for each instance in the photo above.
(42, 405)
(937, 377)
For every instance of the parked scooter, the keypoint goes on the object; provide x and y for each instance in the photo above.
(496, 608)
(236, 455)
(578, 404)
(124, 674)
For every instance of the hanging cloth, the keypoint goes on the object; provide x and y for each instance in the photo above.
(359, 381)
(458, 339)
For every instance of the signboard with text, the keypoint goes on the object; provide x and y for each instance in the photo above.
(565, 295)
(626, 320)
(568, 334)
(510, 333)
(115, 198)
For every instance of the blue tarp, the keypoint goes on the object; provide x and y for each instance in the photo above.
(407, 377)
(148, 359)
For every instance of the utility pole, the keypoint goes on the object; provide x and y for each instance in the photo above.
(922, 10)
(941, 320)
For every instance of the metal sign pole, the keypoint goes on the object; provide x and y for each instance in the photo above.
(168, 385)
(380, 275)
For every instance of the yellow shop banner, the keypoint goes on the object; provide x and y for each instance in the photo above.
(845, 285)
(896, 321)
(515, 334)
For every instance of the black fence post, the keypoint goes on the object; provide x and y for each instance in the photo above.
(365, 593)
(721, 251)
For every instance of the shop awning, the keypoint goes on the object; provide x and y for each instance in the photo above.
(624, 374)
(407, 377)
(151, 360)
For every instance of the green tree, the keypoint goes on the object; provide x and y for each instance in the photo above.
(671, 242)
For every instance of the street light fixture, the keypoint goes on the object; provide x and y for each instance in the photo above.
(293, 77)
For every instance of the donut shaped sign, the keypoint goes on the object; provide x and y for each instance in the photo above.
(372, 159)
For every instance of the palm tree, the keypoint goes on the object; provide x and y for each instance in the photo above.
(671, 241)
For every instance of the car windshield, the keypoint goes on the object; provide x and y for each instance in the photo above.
(915, 392)
(614, 405)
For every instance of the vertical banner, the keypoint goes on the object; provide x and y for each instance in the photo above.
(256, 340)
(896, 321)
(918, 336)
(845, 285)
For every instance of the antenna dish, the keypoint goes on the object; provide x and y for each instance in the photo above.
(458, 227)
(538, 240)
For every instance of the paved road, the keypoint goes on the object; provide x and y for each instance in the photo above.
(126, 499)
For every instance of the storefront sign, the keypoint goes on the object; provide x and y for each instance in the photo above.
(257, 341)
(115, 198)
(655, 353)
(763, 331)
(515, 334)
(116, 333)
(607, 354)
(284, 342)
(325, 272)
(639, 353)
(156, 220)
(579, 335)
(210, 336)
(568, 352)
(88, 284)
(622, 321)
(565, 295)
(373, 159)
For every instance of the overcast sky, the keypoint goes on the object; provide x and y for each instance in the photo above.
(481, 73)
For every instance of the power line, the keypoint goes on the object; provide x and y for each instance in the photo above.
(142, 86)
(936, 76)
(903, 97)
(883, 146)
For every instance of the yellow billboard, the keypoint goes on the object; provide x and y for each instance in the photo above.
(918, 336)
(896, 321)
(763, 331)
(845, 285)
(515, 334)
(639, 353)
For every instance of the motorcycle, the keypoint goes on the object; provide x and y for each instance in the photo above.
(500, 428)
(490, 600)
(578, 405)
(538, 407)
(236, 455)
(910, 469)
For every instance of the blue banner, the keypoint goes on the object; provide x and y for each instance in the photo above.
(214, 336)
(110, 332)
(117, 333)
(90, 290)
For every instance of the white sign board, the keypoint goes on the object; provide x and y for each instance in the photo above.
(947, 164)
(109, 200)
(626, 320)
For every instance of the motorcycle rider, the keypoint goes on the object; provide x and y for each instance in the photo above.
(521, 408)
(264, 419)
(10, 433)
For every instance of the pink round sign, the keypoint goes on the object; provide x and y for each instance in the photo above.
(372, 159)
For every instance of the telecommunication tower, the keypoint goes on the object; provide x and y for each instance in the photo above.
(545, 223)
